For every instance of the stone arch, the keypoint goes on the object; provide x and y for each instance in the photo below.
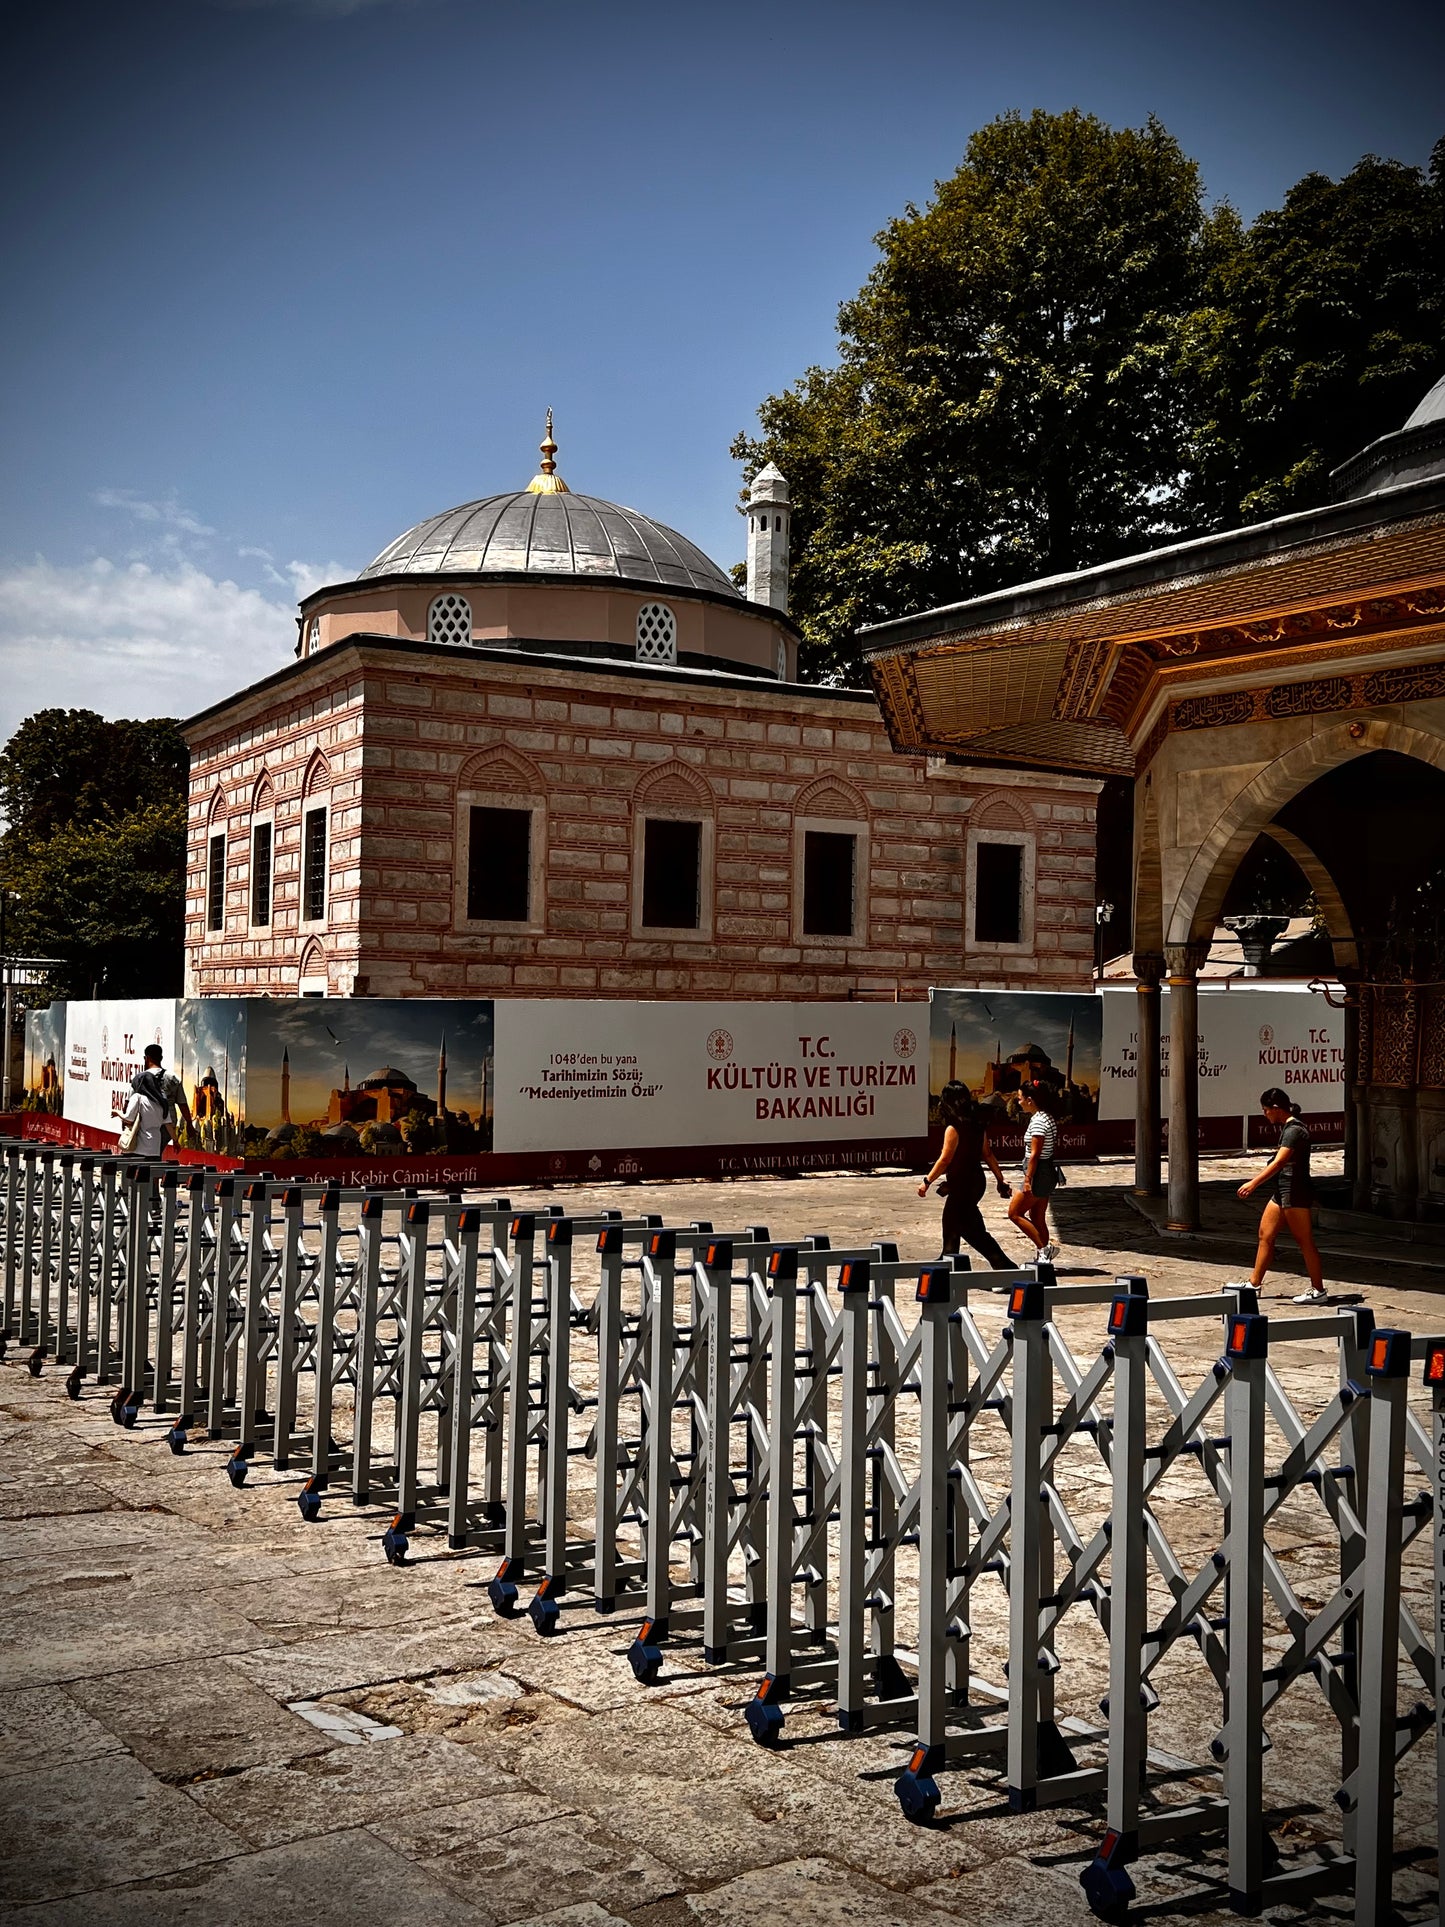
(1201, 895)
(216, 811)
(318, 774)
(831, 796)
(502, 768)
(314, 969)
(673, 786)
(263, 795)
(999, 810)
(1326, 893)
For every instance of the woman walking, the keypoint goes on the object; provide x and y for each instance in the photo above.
(965, 1150)
(1290, 1193)
(1029, 1206)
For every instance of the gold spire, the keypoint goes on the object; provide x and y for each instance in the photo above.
(548, 481)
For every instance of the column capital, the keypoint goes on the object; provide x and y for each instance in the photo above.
(1149, 966)
(1186, 959)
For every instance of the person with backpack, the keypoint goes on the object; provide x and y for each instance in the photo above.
(960, 1161)
(1029, 1205)
(156, 1096)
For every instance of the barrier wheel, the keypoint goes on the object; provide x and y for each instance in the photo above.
(645, 1661)
(765, 1722)
(1108, 1890)
(176, 1440)
(34, 1362)
(239, 1464)
(503, 1594)
(394, 1543)
(916, 1788)
(72, 1384)
(308, 1502)
(545, 1614)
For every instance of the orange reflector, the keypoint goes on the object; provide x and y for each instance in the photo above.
(1435, 1365)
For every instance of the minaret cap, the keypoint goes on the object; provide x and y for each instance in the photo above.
(769, 485)
(547, 481)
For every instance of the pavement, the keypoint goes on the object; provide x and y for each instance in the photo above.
(213, 1713)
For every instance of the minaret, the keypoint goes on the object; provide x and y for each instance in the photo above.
(345, 1078)
(1069, 1056)
(547, 481)
(442, 1078)
(768, 513)
(285, 1087)
(953, 1053)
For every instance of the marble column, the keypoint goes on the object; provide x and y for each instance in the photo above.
(1184, 960)
(1148, 1134)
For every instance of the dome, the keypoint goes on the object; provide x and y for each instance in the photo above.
(1432, 409)
(552, 534)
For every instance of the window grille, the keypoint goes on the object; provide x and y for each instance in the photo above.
(656, 633)
(313, 865)
(216, 882)
(449, 619)
(313, 636)
(782, 660)
(261, 874)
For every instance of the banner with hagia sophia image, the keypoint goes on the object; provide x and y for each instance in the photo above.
(995, 1041)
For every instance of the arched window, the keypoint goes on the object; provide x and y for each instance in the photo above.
(449, 619)
(656, 633)
(313, 636)
(782, 660)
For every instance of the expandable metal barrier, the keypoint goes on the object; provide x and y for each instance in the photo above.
(741, 1415)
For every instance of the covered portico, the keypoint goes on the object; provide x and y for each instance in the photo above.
(1276, 694)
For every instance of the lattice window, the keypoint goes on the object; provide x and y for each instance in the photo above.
(782, 660)
(313, 636)
(449, 619)
(656, 633)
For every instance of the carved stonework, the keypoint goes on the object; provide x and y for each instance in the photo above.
(1310, 698)
(1396, 1034)
(1410, 682)
(1212, 712)
(1432, 1038)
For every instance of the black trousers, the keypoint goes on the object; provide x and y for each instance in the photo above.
(963, 1223)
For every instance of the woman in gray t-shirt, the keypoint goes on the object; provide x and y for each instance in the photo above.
(1285, 1181)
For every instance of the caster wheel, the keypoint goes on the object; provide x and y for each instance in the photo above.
(129, 1412)
(118, 1405)
(72, 1384)
(176, 1440)
(545, 1614)
(239, 1464)
(34, 1362)
(394, 1543)
(503, 1595)
(1108, 1890)
(645, 1661)
(765, 1722)
(916, 1788)
(308, 1503)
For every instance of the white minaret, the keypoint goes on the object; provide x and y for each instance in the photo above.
(768, 539)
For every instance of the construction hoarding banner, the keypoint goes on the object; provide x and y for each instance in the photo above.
(995, 1041)
(104, 1048)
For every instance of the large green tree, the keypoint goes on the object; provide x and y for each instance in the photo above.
(1064, 358)
(1007, 401)
(92, 858)
(1321, 326)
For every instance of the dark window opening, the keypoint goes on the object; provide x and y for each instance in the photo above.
(671, 874)
(499, 866)
(998, 893)
(828, 883)
(261, 873)
(313, 867)
(216, 883)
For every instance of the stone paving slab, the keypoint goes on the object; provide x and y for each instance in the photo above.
(156, 1625)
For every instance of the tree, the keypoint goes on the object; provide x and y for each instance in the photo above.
(1008, 401)
(93, 853)
(1321, 327)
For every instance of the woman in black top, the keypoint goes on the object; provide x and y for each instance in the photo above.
(965, 1149)
(1286, 1182)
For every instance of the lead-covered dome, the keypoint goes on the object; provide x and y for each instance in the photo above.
(551, 534)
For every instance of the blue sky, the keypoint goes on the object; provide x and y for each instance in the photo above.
(286, 276)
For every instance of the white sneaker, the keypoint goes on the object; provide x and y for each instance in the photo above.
(1048, 1254)
(1311, 1298)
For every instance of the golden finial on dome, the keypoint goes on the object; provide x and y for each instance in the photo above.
(548, 481)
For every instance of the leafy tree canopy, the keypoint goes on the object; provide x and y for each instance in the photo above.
(1322, 325)
(1064, 357)
(93, 853)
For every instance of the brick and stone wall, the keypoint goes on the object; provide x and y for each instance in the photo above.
(392, 735)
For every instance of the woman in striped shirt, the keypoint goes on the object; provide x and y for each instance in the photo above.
(1029, 1206)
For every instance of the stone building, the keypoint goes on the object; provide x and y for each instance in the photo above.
(544, 746)
(1274, 690)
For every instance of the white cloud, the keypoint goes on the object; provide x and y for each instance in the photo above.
(129, 640)
(169, 514)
